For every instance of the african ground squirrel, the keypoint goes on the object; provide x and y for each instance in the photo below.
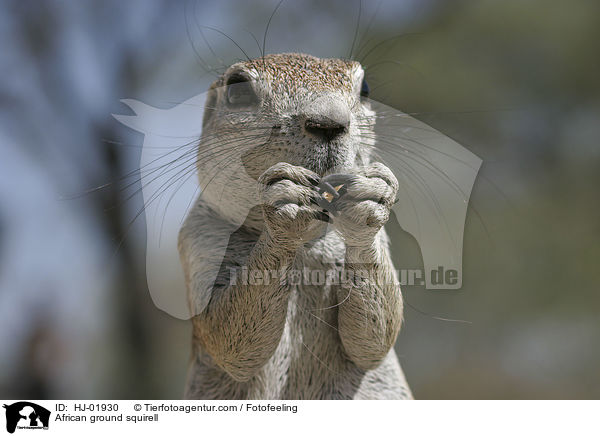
(295, 123)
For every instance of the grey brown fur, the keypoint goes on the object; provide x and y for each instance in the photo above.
(275, 340)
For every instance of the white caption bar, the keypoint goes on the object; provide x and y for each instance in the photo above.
(301, 417)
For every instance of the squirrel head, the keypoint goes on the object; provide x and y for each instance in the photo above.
(292, 108)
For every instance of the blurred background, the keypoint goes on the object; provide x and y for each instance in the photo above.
(515, 82)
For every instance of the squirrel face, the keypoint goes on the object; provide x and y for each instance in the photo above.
(291, 108)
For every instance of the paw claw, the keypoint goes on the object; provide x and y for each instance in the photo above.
(322, 216)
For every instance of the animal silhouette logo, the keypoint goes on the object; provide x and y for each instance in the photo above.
(436, 175)
(26, 415)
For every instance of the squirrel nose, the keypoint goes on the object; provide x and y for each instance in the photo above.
(326, 118)
(324, 127)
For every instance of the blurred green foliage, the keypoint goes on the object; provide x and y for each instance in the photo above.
(516, 83)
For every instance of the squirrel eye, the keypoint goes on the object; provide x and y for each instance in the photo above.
(240, 91)
(364, 89)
